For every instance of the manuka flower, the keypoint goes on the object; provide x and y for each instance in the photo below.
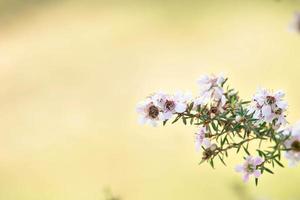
(211, 90)
(292, 144)
(250, 167)
(202, 139)
(149, 111)
(269, 107)
(171, 104)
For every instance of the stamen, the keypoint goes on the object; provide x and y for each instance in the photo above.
(296, 146)
(153, 111)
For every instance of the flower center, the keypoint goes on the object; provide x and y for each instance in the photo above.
(214, 82)
(296, 146)
(258, 106)
(214, 110)
(278, 111)
(153, 111)
(250, 168)
(169, 105)
(270, 100)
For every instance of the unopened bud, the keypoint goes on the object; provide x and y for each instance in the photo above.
(213, 147)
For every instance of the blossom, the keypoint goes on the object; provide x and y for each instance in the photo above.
(202, 139)
(269, 107)
(293, 145)
(171, 104)
(149, 111)
(250, 167)
(211, 90)
(295, 25)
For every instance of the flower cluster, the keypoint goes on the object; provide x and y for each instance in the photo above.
(161, 107)
(226, 122)
(269, 107)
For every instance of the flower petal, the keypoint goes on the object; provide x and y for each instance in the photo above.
(258, 161)
(257, 173)
(282, 104)
(246, 177)
(142, 120)
(266, 110)
(206, 142)
(180, 107)
(239, 168)
(279, 94)
(167, 115)
(197, 145)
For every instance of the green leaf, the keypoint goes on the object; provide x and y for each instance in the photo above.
(164, 122)
(211, 162)
(176, 119)
(214, 126)
(259, 153)
(256, 181)
(245, 102)
(224, 82)
(223, 141)
(268, 170)
(191, 106)
(238, 149)
(279, 163)
(184, 120)
(222, 160)
(202, 161)
(192, 120)
(246, 151)
(226, 154)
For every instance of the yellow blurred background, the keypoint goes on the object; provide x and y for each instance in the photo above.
(71, 73)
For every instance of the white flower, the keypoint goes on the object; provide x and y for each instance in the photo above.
(250, 167)
(181, 100)
(211, 90)
(149, 112)
(295, 25)
(268, 107)
(202, 139)
(171, 104)
(293, 145)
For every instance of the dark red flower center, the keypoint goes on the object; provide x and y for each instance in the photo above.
(296, 146)
(169, 105)
(153, 111)
(270, 100)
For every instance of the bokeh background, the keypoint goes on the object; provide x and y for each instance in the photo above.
(71, 73)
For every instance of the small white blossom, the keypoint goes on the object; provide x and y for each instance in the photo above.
(149, 112)
(268, 106)
(250, 167)
(293, 145)
(202, 139)
(171, 104)
(211, 90)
